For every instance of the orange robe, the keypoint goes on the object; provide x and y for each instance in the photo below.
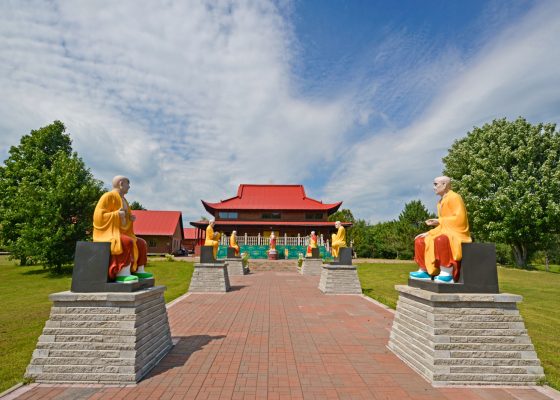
(338, 241)
(312, 245)
(233, 243)
(107, 227)
(211, 240)
(453, 223)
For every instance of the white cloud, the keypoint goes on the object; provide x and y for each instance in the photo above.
(516, 74)
(187, 98)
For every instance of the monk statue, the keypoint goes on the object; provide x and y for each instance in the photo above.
(438, 252)
(338, 239)
(233, 242)
(113, 222)
(272, 242)
(212, 238)
(312, 244)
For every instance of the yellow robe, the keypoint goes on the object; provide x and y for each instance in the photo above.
(107, 224)
(338, 241)
(233, 243)
(210, 240)
(453, 223)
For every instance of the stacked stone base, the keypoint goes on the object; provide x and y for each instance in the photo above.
(340, 279)
(235, 266)
(109, 338)
(210, 277)
(464, 339)
(311, 266)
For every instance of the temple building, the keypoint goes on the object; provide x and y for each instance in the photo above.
(258, 210)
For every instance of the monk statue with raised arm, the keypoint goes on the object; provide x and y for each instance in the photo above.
(113, 222)
(233, 242)
(438, 252)
(212, 238)
(338, 239)
(312, 244)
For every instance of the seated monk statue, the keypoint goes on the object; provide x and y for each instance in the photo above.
(212, 238)
(438, 252)
(338, 239)
(113, 222)
(312, 244)
(233, 242)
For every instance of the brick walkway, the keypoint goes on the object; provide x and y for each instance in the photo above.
(276, 336)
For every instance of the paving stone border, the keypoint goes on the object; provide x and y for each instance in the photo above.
(464, 339)
(109, 338)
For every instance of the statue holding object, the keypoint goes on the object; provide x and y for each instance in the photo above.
(212, 238)
(233, 242)
(438, 252)
(113, 222)
(338, 239)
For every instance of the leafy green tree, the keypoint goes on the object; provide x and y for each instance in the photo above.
(410, 223)
(344, 215)
(385, 239)
(135, 205)
(48, 198)
(509, 176)
(363, 238)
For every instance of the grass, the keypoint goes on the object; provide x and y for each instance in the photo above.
(24, 295)
(541, 302)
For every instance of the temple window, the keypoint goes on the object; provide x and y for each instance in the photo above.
(271, 215)
(228, 215)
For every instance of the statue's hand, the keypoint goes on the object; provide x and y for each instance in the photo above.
(432, 222)
(133, 217)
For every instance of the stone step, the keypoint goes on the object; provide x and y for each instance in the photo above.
(59, 332)
(88, 369)
(475, 379)
(86, 378)
(476, 347)
(486, 362)
(92, 317)
(102, 354)
(130, 324)
(479, 332)
(533, 370)
(90, 361)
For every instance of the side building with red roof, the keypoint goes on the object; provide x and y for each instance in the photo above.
(260, 209)
(162, 230)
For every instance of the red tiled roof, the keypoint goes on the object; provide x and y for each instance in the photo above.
(158, 223)
(271, 197)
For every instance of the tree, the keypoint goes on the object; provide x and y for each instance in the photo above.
(344, 215)
(410, 223)
(48, 198)
(508, 174)
(135, 205)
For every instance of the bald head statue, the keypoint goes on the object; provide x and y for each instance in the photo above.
(121, 183)
(442, 185)
(337, 224)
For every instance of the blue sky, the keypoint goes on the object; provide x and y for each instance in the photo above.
(358, 100)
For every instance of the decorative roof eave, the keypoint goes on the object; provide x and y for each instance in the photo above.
(222, 223)
(213, 207)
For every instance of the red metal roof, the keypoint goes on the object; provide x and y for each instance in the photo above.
(271, 197)
(158, 223)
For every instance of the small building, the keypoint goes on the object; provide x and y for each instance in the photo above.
(190, 241)
(162, 230)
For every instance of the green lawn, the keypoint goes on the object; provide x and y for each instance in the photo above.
(540, 306)
(25, 304)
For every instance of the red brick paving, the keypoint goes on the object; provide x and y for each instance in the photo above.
(276, 336)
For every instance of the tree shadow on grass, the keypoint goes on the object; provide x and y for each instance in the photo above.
(181, 352)
(63, 272)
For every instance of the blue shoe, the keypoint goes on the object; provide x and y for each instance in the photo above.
(444, 279)
(420, 275)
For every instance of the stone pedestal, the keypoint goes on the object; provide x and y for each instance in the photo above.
(210, 277)
(464, 339)
(344, 257)
(235, 266)
(339, 279)
(272, 255)
(109, 338)
(311, 266)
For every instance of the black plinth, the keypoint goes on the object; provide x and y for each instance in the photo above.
(207, 255)
(478, 272)
(91, 265)
(231, 253)
(315, 253)
(344, 257)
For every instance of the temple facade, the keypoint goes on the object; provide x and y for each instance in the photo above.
(258, 210)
